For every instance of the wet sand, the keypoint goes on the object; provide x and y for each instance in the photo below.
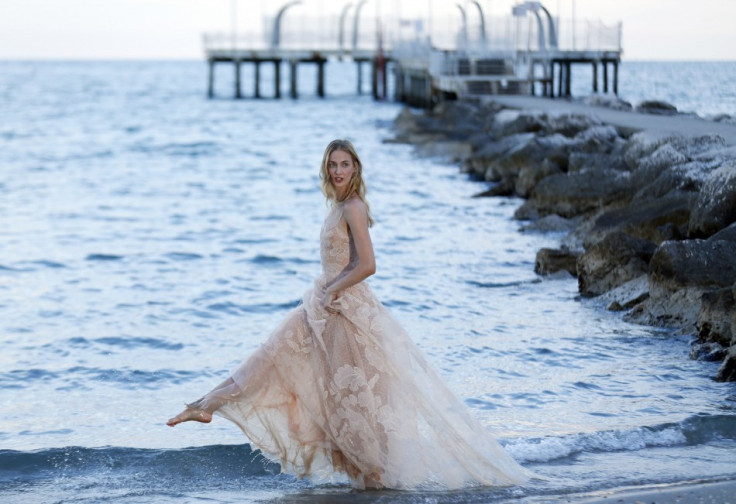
(721, 492)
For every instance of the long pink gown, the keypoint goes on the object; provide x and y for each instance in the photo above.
(351, 393)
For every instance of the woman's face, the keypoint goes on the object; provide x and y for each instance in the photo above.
(340, 166)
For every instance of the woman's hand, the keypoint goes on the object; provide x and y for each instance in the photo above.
(327, 299)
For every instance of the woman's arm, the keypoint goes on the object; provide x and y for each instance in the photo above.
(356, 216)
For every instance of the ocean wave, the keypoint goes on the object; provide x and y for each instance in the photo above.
(103, 257)
(695, 430)
(26, 378)
(186, 467)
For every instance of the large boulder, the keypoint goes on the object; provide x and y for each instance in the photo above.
(530, 175)
(456, 120)
(654, 151)
(726, 234)
(715, 208)
(641, 145)
(482, 163)
(649, 219)
(613, 261)
(714, 318)
(680, 272)
(551, 261)
(570, 125)
(511, 122)
(578, 193)
(727, 371)
(657, 107)
(609, 101)
(688, 263)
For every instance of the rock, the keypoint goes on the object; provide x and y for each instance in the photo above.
(714, 318)
(502, 188)
(580, 161)
(715, 208)
(527, 212)
(644, 143)
(710, 352)
(657, 107)
(627, 295)
(480, 163)
(578, 193)
(727, 371)
(405, 124)
(613, 261)
(668, 232)
(511, 122)
(609, 101)
(530, 156)
(597, 138)
(723, 118)
(455, 120)
(451, 151)
(679, 274)
(710, 265)
(551, 223)
(595, 148)
(550, 261)
(726, 234)
(530, 174)
(644, 219)
(569, 125)
(688, 177)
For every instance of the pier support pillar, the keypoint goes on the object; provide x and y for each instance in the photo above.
(605, 76)
(257, 79)
(277, 79)
(399, 84)
(321, 78)
(384, 79)
(595, 76)
(561, 78)
(238, 92)
(211, 80)
(360, 76)
(615, 78)
(293, 64)
(374, 78)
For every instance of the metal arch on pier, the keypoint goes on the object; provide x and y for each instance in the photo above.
(427, 69)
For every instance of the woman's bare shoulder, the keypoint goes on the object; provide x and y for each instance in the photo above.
(355, 208)
(355, 205)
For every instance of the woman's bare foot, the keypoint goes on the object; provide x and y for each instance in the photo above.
(190, 415)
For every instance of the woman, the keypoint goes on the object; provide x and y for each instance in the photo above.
(340, 387)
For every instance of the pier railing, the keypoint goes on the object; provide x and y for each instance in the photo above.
(501, 34)
(294, 33)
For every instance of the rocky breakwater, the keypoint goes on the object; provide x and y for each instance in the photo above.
(650, 217)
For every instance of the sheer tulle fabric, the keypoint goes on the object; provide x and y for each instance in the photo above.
(350, 393)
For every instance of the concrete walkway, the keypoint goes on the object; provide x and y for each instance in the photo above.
(683, 125)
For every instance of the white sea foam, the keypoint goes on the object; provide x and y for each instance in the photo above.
(559, 447)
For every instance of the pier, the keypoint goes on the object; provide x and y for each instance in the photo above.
(528, 52)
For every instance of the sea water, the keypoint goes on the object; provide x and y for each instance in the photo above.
(151, 238)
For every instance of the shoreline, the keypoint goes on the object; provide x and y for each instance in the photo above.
(646, 201)
(687, 492)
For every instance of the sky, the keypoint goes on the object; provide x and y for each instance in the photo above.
(172, 29)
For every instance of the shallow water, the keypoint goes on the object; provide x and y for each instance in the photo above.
(150, 239)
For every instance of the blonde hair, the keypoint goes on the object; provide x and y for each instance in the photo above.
(357, 185)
